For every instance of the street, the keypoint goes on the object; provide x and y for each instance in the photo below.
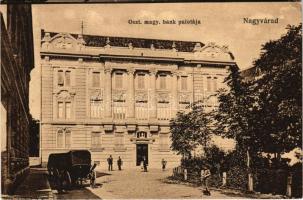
(135, 184)
(125, 184)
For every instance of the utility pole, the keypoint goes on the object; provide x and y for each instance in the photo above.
(250, 177)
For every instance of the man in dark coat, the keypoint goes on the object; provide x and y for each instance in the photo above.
(110, 163)
(163, 162)
(119, 163)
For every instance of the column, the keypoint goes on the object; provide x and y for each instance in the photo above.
(131, 92)
(108, 92)
(175, 99)
(152, 95)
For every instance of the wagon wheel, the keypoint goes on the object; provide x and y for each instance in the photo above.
(50, 173)
(66, 180)
(57, 179)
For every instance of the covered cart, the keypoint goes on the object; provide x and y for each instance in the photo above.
(71, 168)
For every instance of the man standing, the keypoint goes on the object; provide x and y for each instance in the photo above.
(119, 163)
(110, 163)
(163, 162)
(205, 174)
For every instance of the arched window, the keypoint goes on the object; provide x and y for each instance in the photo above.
(63, 138)
(67, 138)
(60, 139)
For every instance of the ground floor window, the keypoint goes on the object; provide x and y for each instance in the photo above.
(63, 138)
(96, 140)
(163, 142)
(119, 141)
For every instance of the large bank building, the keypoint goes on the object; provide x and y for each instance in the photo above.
(116, 95)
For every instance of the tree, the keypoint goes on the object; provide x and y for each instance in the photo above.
(279, 89)
(190, 130)
(235, 117)
(265, 113)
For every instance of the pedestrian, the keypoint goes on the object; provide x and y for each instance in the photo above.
(110, 163)
(145, 164)
(163, 162)
(205, 174)
(119, 163)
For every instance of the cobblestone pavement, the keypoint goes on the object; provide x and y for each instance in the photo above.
(135, 184)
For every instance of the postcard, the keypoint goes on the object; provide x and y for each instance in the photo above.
(151, 100)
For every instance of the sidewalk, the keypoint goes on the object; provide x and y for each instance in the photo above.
(35, 186)
(251, 195)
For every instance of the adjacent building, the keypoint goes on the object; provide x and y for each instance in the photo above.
(17, 60)
(116, 95)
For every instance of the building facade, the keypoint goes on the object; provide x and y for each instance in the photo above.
(115, 96)
(17, 61)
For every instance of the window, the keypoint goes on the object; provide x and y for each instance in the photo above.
(67, 139)
(163, 111)
(119, 110)
(163, 142)
(119, 141)
(67, 78)
(215, 83)
(64, 110)
(141, 80)
(96, 108)
(96, 140)
(60, 110)
(64, 139)
(208, 84)
(96, 79)
(64, 78)
(142, 112)
(141, 134)
(162, 81)
(60, 78)
(67, 110)
(60, 139)
(118, 80)
(183, 82)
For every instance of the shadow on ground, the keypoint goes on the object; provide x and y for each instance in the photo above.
(77, 191)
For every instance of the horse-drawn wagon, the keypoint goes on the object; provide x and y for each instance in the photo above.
(71, 168)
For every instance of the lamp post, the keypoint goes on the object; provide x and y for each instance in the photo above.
(250, 178)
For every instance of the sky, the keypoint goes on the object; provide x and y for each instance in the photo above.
(221, 23)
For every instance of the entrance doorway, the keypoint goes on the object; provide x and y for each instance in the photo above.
(142, 151)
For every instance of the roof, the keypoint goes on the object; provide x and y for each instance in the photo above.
(100, 41)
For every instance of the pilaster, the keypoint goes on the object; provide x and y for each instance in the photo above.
(131, 92)
(175, 102)
(108, 93)
(152, 96)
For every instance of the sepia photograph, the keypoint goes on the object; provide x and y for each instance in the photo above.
(161, 100)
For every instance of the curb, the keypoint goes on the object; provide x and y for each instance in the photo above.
(252, 194)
